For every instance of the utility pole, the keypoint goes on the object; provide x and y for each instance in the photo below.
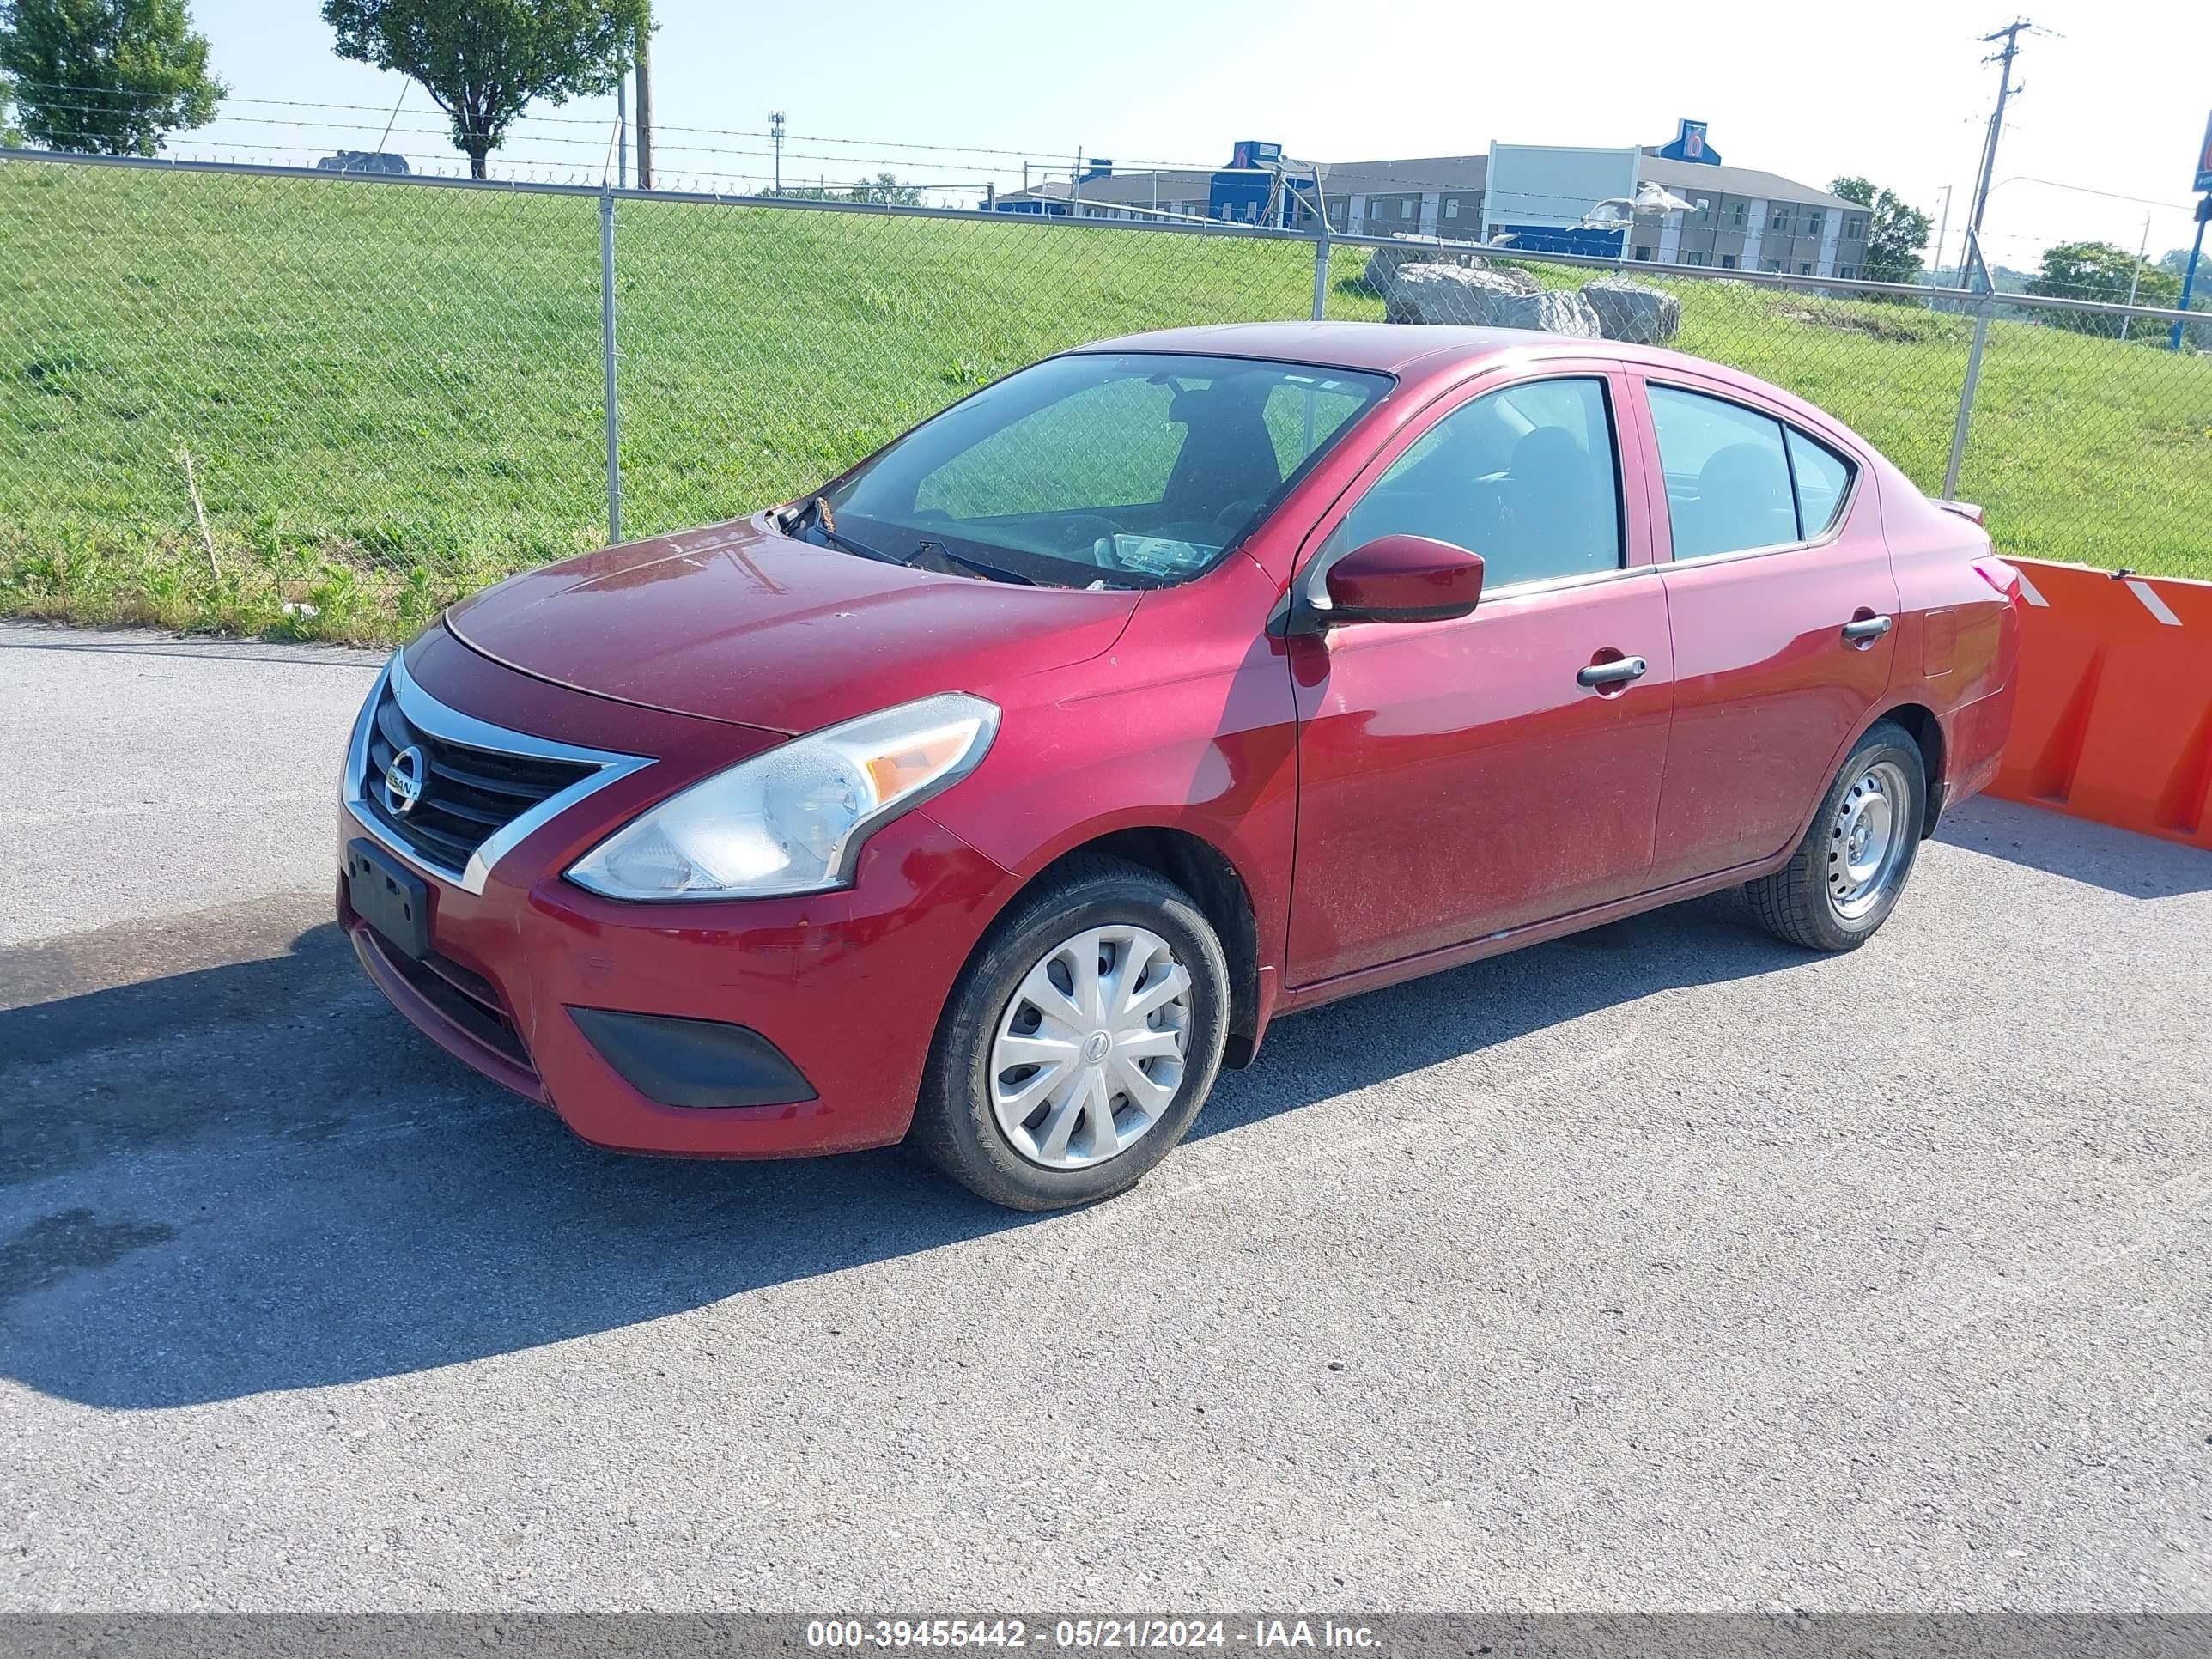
(1075, 188)
(645, 108)
(1942, 235)
(2135, 278)
(775, 132)
(2009, 35)
(621, 134)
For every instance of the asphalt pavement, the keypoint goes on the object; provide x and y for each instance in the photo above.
(1662, 1268)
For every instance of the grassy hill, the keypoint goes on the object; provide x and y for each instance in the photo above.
(384, 396)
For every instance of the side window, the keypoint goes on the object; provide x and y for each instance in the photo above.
(1728, 474)
(1525, 476)
(1822, 478)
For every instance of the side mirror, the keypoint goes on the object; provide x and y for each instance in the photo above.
(1400, 578)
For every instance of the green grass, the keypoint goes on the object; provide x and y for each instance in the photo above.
(390, 396)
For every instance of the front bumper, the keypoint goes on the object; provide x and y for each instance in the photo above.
(847, 988)
(843, 989)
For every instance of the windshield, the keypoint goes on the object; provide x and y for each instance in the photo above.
(1129, 470)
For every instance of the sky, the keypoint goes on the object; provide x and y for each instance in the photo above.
(2117, 94)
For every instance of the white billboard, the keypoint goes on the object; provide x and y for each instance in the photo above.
(1553, 185)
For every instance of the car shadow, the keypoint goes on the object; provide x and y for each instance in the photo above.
(255, 1176)
(2119, 861)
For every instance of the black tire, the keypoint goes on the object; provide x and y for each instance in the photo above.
(954, 1124)
(1799, 902)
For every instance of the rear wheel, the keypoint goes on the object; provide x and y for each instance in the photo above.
(1846, 877)
(1079, 1042)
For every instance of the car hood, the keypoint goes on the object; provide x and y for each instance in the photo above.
(737, 623)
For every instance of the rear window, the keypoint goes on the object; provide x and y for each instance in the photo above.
(1824, 478)
(1727, 475)
(1738, 479)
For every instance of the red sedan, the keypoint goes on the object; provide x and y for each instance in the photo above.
(998, 793)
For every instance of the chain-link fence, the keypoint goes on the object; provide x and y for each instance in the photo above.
(267, 399)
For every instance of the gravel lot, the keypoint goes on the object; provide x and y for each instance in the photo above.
(1662, 1268)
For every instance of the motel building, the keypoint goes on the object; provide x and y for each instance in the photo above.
(1742, 219)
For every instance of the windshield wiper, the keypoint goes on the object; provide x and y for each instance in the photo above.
(996, 573)
(825, 524)
(817, 508)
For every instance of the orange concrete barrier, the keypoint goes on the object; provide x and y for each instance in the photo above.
(2113, 720)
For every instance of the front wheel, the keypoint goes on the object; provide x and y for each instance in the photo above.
(1079, 1043)
(1846, 877)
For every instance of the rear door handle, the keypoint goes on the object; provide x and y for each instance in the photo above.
(1865, 630)
(1613, 673)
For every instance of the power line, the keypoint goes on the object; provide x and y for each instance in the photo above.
(2084, 190)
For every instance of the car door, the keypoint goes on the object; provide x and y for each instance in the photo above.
(1459, 778)
(1783, 601)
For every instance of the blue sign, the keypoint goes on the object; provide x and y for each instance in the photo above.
(2204, 159)
(1690, 145)
(1563, 238)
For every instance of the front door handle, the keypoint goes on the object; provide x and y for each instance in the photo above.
(1618, 672)
(1863, 631)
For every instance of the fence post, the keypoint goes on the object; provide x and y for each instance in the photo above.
(607, 362)
(1966, 402)
(1321, 273)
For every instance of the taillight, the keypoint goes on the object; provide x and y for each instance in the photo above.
(2000, 575)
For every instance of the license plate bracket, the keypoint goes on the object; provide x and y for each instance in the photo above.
(388, 897)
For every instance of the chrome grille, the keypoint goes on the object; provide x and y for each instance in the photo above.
(468, 794)
(481, 787)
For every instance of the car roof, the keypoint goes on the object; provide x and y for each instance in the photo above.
(1427, 352)
(1390, 347)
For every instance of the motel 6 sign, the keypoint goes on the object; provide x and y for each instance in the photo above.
(2204, 159)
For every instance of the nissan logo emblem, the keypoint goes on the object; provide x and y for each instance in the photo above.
(403, 780)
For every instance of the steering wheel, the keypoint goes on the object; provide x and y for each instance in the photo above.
(1085, 532)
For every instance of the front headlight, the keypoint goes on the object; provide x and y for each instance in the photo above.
(792, 820)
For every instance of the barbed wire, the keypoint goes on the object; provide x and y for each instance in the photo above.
(1046, 169)
(1039, 154)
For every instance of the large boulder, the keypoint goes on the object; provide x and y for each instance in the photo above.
(1449, 293)
(1550, 311)
(1633, 312)
(1385, 263)
(1486, 299)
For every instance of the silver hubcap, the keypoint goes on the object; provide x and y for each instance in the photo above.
(1089, 1053)
(1866, 843)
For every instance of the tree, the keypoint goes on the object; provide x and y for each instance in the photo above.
(1896, 232)
(2098, 270)
(2175, 259)
(884, 187)
(111, 77)
(485, 61)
